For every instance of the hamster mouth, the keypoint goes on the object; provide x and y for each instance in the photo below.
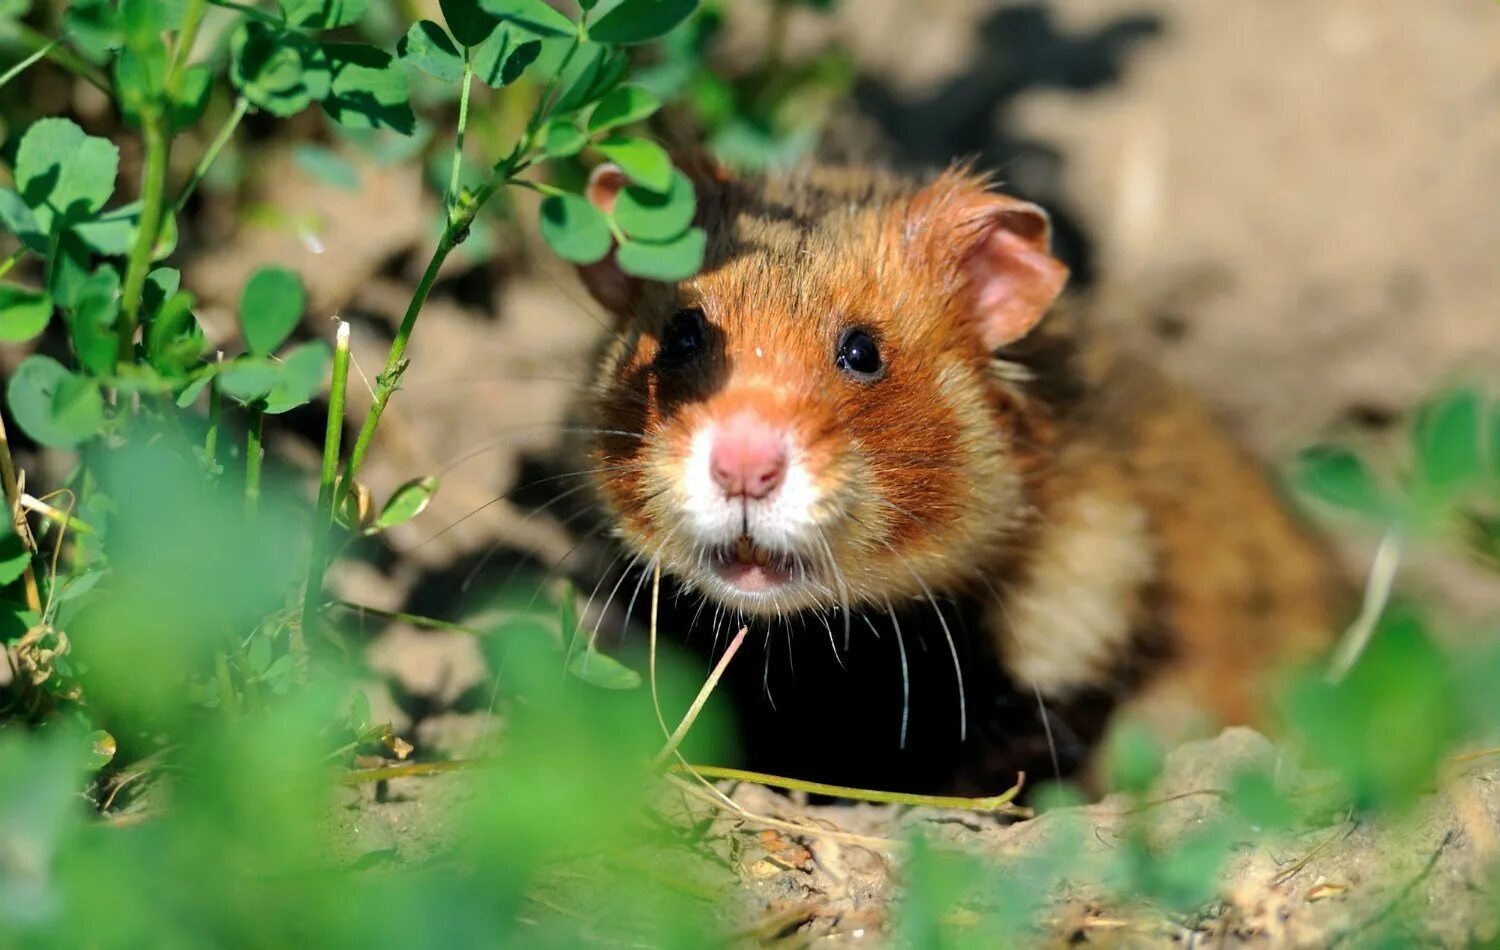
(752, 569)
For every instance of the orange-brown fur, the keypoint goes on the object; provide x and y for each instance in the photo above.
(959, 474)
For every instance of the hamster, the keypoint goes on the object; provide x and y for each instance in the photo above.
(858, 431)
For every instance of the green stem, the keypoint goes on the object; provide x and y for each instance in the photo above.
(60, 55)
(192, 18)
(254, 450)
(12, 260)
(251, 12)
(395, 363)
(540, 187)
(461, 215)
(406, 770)
(416, 620)
(211, 440)
(153, 184)
(1001, 802)
(229, 701)
(317, 563)
(451, 201)
(241, 106)
(26, 63)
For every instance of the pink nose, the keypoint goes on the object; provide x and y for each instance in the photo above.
(748, 457)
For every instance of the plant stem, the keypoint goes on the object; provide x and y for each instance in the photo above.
(200, 171)
(1000, 803)
(11, 261)
(405, 770)
(395, 363)
(158, 134)
(153, 184)
(229, 701)
(18, 519)
(251, 12)
(60, 55)
(58, 517)
(416, 620)
(26, 63)
(708, 687)
(461, 215)
(253, 452)
(450, 203)
(192, 18)
(211, 440)
(317, 562)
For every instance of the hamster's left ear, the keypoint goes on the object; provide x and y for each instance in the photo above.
(1005, 246)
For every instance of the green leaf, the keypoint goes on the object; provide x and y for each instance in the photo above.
(643, 161)
(1134, 758)
(427, 47)
(24, 313)
(18, 220)
(602, 670)
(301, 375)
(327, 166)
(270, 306)
(368, 89)
(174, 340)
(102, 748)
(575, 229)
(656, 216)
(93, 26)
(406, 502)
(192, 96)
(323, 14)
(14, 556)
(1387, 726)
(624, 105)
(501, 59)
(52, 405)
(1494, 435)
(1337, 476)
(594, 71)
(248, 378)
(91, 320)
(194, 389)
(140, 77)
(536, 16)
(640, 21)
(677, 259)
(113, 232)
(470, 23)
(562, 138)
(279, 71)
(63, 174)
(1447, 440)
(67, 269)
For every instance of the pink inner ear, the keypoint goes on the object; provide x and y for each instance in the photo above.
(1014, 282)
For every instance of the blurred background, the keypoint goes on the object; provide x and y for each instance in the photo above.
(1290, 205)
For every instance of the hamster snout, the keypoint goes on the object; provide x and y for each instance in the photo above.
(748, 457)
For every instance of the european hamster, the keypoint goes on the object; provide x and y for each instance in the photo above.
(855, 423)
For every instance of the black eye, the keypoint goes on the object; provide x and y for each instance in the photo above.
(859, 356)
(684, 338)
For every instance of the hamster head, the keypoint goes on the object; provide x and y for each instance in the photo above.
(814, 419)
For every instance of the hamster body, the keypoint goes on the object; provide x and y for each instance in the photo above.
(981, 540)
